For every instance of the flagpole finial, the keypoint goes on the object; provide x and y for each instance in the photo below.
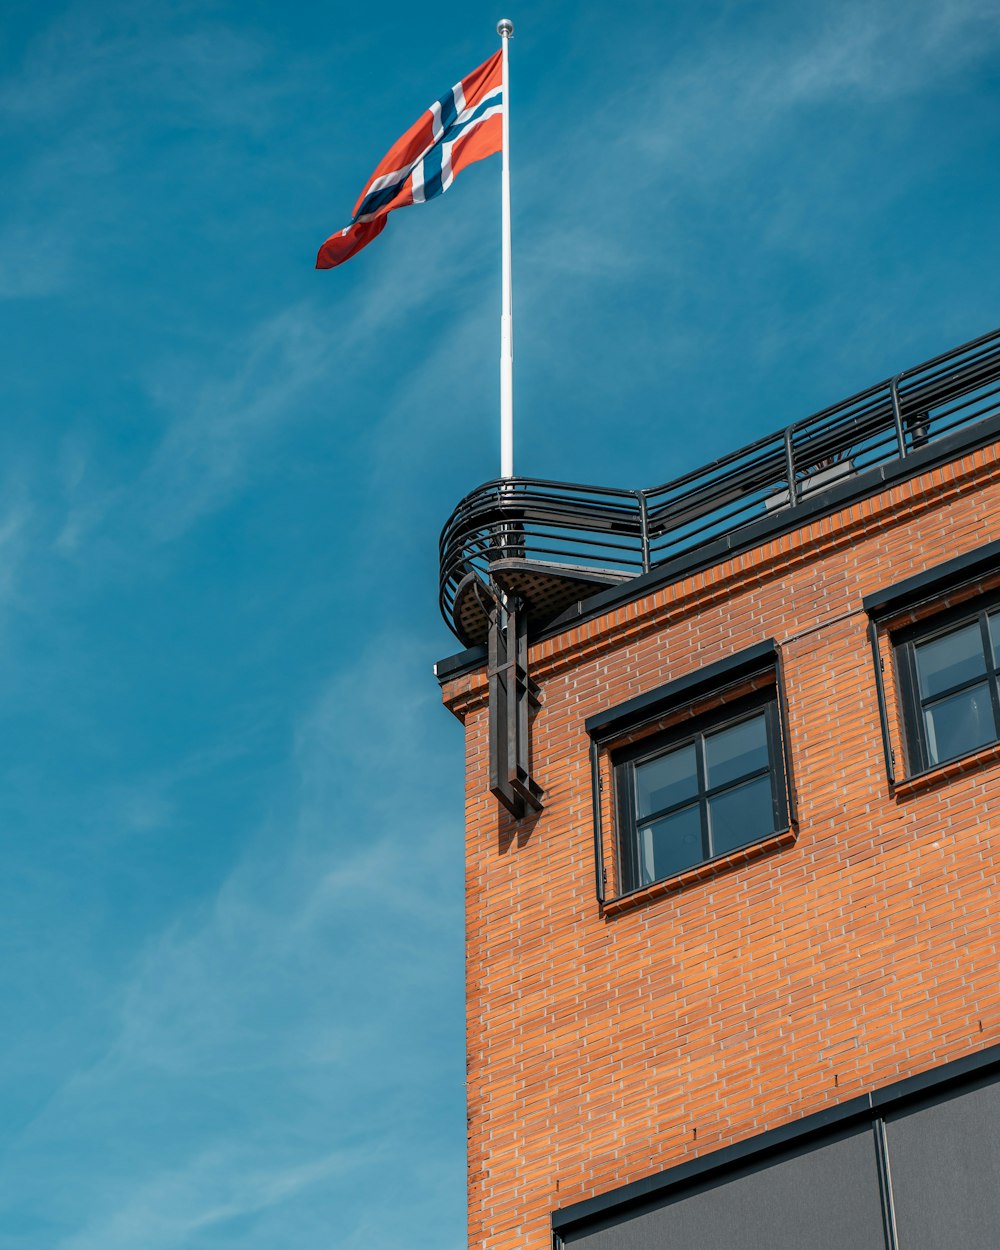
(505, 28)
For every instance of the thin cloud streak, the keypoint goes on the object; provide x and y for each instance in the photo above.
(94, 66)
(277, 979)
(215, 1188)
(81, 103)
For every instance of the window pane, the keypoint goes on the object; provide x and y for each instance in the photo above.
(670, 845)
(959, 724)
(995, 635)
(666, 780)
(741, 815)
(736, 751)
(947, 662)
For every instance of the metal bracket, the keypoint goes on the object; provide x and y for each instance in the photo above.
(512, 695)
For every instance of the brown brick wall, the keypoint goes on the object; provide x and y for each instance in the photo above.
(603, 1046)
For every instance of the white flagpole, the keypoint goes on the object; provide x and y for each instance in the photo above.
(505, 29)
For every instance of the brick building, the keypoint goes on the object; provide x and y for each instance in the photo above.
(732, 844)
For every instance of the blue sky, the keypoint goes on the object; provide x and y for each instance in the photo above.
(230, 803)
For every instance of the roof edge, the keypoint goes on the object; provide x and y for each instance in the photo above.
(745, 538)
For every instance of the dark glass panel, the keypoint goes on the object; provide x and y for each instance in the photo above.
(670, 845)
(959, 724)
(945, 1158)
(995, 636)
(666, 780)
(734, 752)
(949, 661)
(821, 1196)
(741, 815)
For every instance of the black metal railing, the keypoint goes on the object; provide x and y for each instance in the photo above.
(624, 533)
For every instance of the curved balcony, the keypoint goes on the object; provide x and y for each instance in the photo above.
(554, 543)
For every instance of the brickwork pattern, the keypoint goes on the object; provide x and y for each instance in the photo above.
(604, 1045)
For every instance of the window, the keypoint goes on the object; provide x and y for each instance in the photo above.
(699, 791)
(949, 679)
(688, 772)
(938, 634)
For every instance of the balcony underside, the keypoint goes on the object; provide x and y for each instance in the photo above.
(546, 591)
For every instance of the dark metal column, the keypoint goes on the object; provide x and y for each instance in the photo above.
(512, 696)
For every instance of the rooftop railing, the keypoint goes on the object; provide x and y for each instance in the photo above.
(606, 534)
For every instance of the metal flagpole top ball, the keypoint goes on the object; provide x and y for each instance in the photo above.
(505, 28)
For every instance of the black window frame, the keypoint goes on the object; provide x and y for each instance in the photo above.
(696, 731)
(905, 642)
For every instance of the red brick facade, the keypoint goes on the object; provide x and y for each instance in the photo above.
(605, 1044)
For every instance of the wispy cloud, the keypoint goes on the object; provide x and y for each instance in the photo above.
(18, 540)
(93, 64)
(879, 52)
(742, 86)
(210, 1191)
(282, 982)
(34, 260)
(224, 409)
(80, 107)
(216, 430)
(13, 532)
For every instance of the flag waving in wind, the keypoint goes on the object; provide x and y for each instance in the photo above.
(465, 125)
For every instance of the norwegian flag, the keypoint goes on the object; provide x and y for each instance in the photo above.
(465, 125)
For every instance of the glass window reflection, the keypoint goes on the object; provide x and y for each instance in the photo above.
(670, 845)
(950, 661)
(737, 751)
(669, 779)
(742, 815)
(959, 724)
